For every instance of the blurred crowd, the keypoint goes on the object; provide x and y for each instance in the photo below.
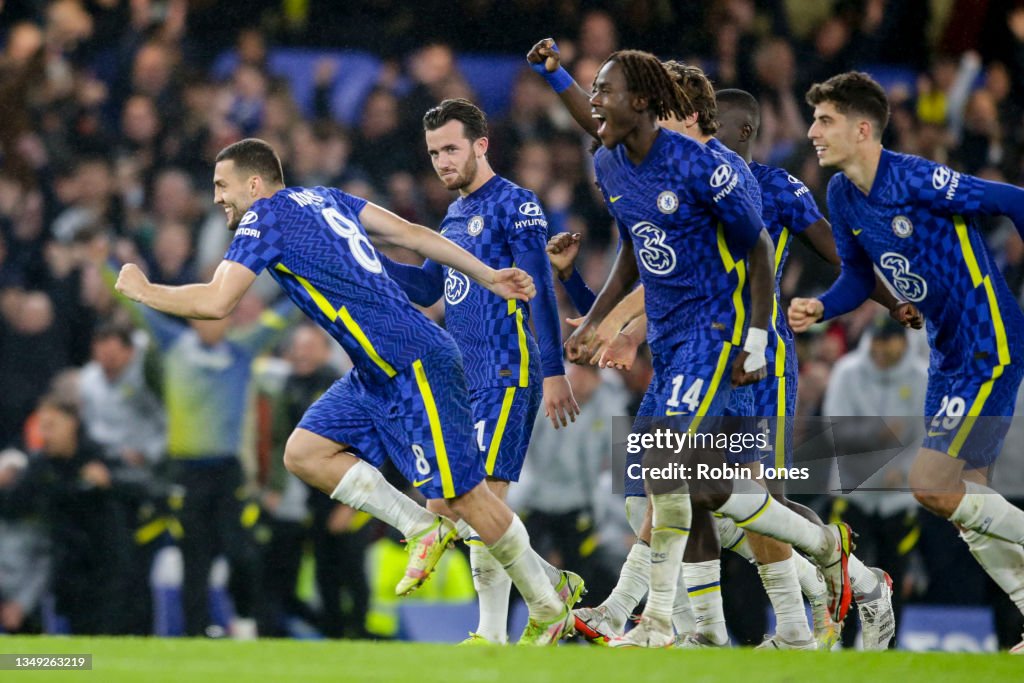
(126, 432)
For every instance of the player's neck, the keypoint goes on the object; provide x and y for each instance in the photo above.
(484, 172)
(639, 142)
(863, 167)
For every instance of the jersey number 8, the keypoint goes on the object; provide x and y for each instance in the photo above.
(358, 243)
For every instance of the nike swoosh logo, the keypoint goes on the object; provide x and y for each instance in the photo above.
(857, 232)
(675, 412)
(615, 198)
(933, 434)
(417, 484)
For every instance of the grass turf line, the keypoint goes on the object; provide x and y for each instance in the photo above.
(267, 661)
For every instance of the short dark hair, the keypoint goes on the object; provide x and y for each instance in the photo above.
(742, 100)
(474, 121)
(696, 85)
(255, 156)
(647, 77)
(854, 91)
(112, 329)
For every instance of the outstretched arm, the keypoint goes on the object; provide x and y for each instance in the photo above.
(390, 229)
(545, 60)
(210, 301)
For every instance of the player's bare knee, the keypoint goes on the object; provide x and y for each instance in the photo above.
(464, 502)
(939, 502)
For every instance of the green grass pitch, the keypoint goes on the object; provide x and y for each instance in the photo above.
(269, 661)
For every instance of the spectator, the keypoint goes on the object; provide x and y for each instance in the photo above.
(24, 551)
(72, 484)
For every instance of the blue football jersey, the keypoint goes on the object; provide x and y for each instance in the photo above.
(683, 207)
(916, 226)
(314, 245)
(788, 209)
(497, 223)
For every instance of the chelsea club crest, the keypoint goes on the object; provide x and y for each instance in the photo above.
(668, 202)
(902, 226)
(475, 225)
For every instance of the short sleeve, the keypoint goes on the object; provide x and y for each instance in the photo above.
(356, 204)
(795, 203)
(943, 190)
(258, 243)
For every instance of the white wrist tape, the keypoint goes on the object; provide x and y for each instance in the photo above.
(755, 344)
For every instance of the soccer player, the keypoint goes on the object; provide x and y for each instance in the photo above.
(501, 224)
(913, 220)
(788, 209)
(406, 397)
(671, 192)
(701, 564)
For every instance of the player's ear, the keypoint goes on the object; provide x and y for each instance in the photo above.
(865, 131)
(480, 146)
(255, 185)
(745, 132)
(640, 103)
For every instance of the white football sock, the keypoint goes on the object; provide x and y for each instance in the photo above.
(553, 573)
(704, 583)
(631, 587)
(752, 508)
(862, 579)
(811, 583)
(366, 489)
(783, 587)
(523, 565)
(1001, 560)
(636, 513)
(683, 619)
(672, 515)
(985, 511)
(734, 539)
(492, 588)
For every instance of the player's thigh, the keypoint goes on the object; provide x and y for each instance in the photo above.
(634, 480)
(968, 414)
(770, 424)
(503, 419)
(342, 418)
(690, 397)
(428, 427)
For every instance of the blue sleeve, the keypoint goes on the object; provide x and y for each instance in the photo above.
(258, 243)
(949, 192)
(719, 184)
(528, 239)
(580, 294)
(856, 281)
(797, 208)
(1003, 199)
(424, 284)
(357, 204)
